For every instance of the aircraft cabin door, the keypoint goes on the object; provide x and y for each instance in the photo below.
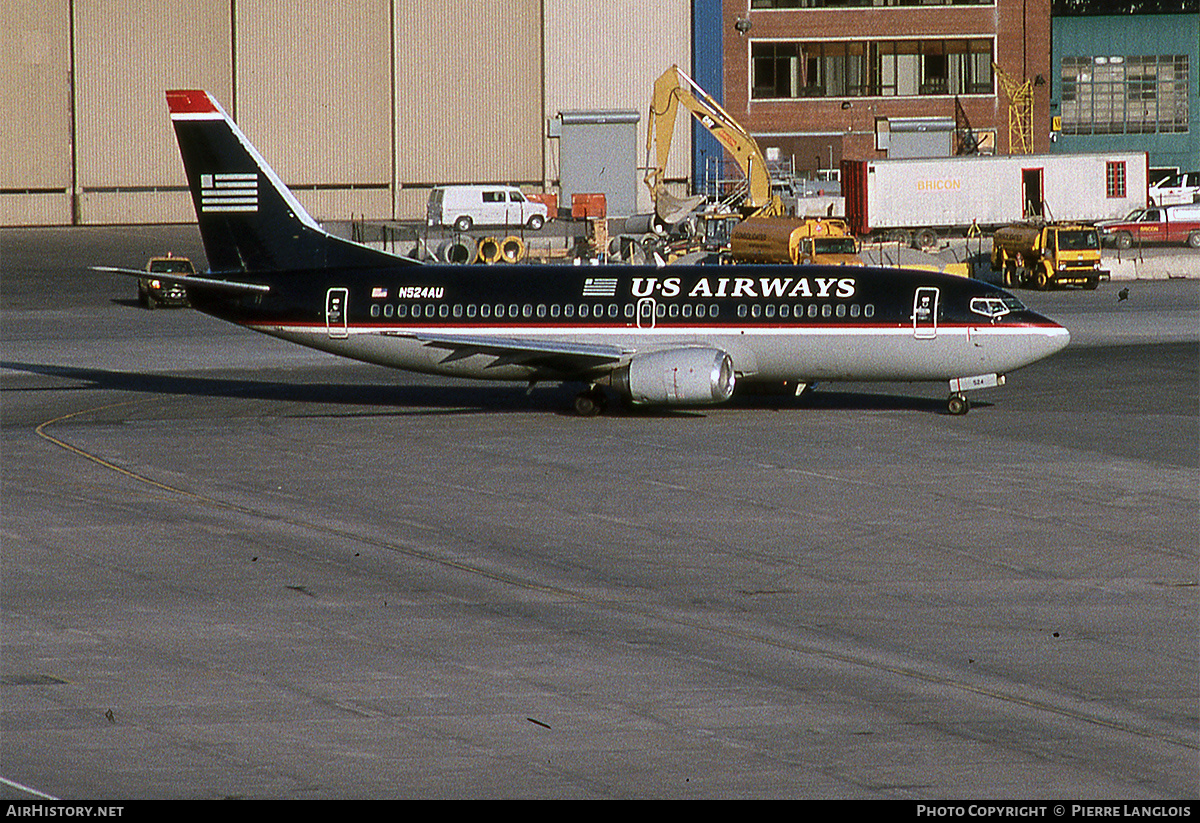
(646, 313)
(335, 313)
(925, 311)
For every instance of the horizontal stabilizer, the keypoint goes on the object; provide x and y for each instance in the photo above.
(189, 280)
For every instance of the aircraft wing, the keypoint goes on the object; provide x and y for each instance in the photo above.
(557, 356)
(188, 279)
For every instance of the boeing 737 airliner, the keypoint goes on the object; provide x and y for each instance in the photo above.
(668, 335)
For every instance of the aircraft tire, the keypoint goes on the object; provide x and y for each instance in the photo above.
(958, 404)
(589, 403)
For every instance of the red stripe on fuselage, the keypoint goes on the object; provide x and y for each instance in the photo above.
(659, 327)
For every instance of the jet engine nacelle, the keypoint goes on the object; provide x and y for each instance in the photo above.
(688, 375)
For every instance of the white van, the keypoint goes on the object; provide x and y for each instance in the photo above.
(465, 206)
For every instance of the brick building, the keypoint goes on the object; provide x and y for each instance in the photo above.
(819, 80)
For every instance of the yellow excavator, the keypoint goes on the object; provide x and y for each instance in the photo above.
(673, 88)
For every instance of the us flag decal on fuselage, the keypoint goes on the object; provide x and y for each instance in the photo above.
(229, 192)
(600, 287)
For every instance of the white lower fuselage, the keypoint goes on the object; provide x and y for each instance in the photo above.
(857, 353)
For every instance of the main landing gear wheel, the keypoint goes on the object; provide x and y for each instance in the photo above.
(958, 404)
(590, 403)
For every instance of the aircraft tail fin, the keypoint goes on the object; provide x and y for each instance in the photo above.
(249, 220)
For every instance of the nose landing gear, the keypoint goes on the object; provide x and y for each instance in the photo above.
(958, 403)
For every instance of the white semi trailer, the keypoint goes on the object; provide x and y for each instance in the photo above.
(921, 200)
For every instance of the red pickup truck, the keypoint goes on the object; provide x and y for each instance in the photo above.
(1172, 224)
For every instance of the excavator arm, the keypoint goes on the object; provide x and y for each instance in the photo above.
(674, 88)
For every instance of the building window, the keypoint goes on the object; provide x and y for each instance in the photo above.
(843, 4)
(1125, 95)
(879, 68)
(1114, 178)
(775, 67)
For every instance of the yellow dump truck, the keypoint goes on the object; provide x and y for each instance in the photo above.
(794, 240)
(1048, 254)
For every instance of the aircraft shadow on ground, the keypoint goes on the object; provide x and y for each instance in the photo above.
(481, 398)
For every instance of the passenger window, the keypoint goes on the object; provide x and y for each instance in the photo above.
(499, 310)
(387, 310)
(700, 310)
(812, 309)
(402, 310)
(755, 311)
(375, 310)
(458, 310)
(712, 310)
(513, 310)
(555, 310)
(855, 310)
(614, 310)
(541, 310)
(741, 310)
(841, 310)
(527, 310)
(471, 310)
(770, 310)
(869, 311)
(583, 310)
(569, 310)
(827, 310)
(443, 310)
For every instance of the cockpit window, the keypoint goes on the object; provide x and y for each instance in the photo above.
(992, 307)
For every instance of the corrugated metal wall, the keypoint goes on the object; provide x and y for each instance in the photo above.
(128, 168)
(35, 153)
(313, 93)
(601, 57)
(468, 94)
(359, 106)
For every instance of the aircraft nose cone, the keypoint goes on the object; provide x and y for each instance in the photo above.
(1053, 337)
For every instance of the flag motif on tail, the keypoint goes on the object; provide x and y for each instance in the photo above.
(229, 192)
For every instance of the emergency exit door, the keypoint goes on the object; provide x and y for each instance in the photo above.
(925, 312)
(335, 312)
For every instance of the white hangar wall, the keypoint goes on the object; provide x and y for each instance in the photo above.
(600, 57)
(361, 107)
(35, 152)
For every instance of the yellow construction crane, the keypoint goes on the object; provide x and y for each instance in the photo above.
(1020, 112)
(673, 88)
